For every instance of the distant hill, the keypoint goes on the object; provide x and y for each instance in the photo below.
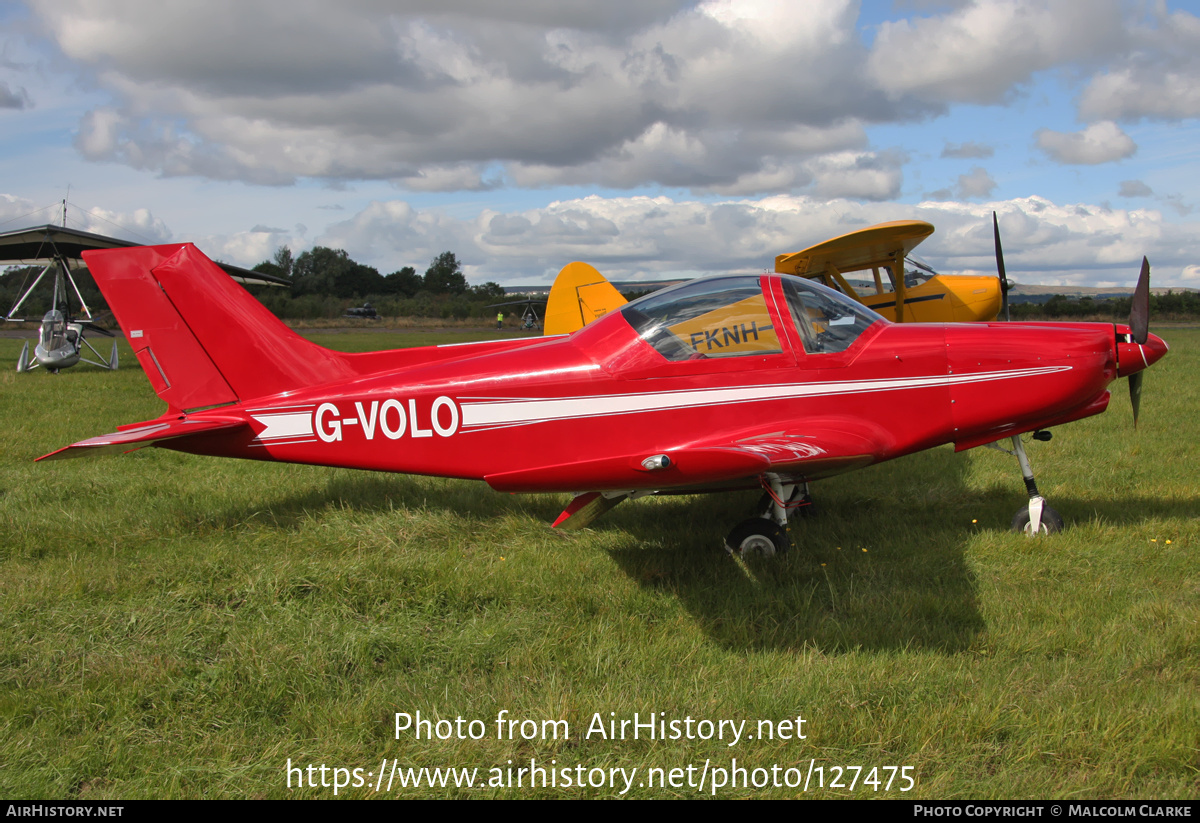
(623, 286)
(1018, 292)
(1027, 293)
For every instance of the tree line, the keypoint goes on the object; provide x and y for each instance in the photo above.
(1181, 305)
(325, 282)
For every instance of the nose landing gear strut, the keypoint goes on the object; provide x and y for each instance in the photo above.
(1037, 517)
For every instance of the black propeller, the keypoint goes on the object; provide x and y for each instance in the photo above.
(1139, 327)
(1139, 311)
(1000, 267)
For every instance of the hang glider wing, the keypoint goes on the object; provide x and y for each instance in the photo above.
(528, 301)
(42, 244)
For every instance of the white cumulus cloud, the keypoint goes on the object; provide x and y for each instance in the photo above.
(1157, 77)
(980, 51)
(641, 237)
(1101, 142)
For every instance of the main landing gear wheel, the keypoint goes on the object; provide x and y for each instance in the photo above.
(757, 537)
(1052, 522)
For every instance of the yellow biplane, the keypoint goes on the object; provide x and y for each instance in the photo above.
(871, 265)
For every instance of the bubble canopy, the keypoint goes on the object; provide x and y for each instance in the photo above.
(728, 316)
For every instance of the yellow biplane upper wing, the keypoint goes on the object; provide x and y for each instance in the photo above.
(876, 247)
(888, 289)
(873, 246)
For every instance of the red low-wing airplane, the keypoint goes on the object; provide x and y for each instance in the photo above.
(728, 382)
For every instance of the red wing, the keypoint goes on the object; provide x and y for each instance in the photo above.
(816, 449)
(819, 448)
(685, 467)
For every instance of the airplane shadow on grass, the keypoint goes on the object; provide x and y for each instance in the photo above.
(377, 492)
(880, 566)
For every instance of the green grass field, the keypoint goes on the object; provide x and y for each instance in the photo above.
(178, 626)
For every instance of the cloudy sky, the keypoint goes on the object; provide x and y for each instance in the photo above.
(651, 138)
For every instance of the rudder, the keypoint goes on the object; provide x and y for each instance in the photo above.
(201, 338)
(580, 294)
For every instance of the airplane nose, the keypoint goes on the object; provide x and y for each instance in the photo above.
(1155, 347)
(1133, 357)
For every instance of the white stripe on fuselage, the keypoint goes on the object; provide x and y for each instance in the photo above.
(478, 412)
(294, 424)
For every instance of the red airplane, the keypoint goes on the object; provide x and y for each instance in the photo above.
(729, 382)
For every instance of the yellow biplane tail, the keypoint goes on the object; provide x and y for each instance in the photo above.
(580, 294)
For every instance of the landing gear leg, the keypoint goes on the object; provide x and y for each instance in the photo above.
(1037, 518)
(799, 504)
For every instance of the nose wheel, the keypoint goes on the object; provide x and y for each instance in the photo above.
(1037, 518)
(1050, 522)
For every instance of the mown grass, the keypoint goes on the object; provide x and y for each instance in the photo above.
(178, 626)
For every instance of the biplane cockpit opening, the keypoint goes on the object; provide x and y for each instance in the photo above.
(917, 272)
(881, 280)
(874, 266)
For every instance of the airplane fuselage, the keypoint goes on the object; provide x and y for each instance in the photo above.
(727, 382)
(603, 393)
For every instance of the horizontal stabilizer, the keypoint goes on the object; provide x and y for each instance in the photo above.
(132, 439)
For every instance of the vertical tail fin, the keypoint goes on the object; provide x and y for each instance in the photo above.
(202, 339)
(580, 294)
